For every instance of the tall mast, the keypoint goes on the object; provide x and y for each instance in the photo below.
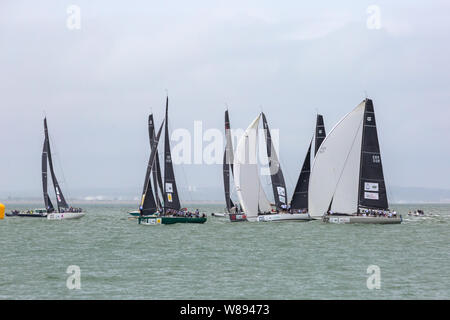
(148, 204)
(171, 198)
(372, 188)
(276, 175)
(60, 200)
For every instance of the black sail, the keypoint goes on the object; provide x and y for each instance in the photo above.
(60, 200)
(156, 170)
(226, 182)
(372, 188)
(229, 142)
(171, 198)
(300, 197)
(227, 163)
(276, 174)
(148, 204)
(320, 133)
(47, 201)
(157, 174)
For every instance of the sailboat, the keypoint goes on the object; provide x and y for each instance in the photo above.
(252, 198)
(64, 211)
(152, 211)
(299, 201)
(232, 211)
(347, 182)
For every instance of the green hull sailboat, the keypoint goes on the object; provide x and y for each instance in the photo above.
(153, 211)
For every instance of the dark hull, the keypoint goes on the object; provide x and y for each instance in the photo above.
(169, 220)
(26, 215)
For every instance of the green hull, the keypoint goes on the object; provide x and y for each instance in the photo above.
(169, 220)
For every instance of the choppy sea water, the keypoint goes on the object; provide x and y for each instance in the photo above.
(120, 259)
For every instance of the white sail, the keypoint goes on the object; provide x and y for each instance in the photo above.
(246, 174)
(345, 199)
(335, 170)
(263, 201)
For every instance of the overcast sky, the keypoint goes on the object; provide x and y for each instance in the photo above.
(97, 84)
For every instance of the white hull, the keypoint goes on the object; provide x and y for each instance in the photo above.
(281, 217)
(151, 222)
(220, 214)
(65, 215)
(361, 219)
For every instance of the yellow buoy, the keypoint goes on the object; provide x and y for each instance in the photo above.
(2, 211)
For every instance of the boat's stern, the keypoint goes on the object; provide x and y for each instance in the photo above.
(150, 220)
(237, 217)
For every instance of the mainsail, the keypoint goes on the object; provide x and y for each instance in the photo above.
(47, 201)
(226, 182)
(320, 133)
(246, 174)
(60, 200)
(347, 171)
(171, 199)
(227, 163)
(157, 180)
(300, 197)
(372, 188)
(276, 175)
(148, 204)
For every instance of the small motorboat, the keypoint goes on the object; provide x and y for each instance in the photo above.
(419, 212)
(416, 213)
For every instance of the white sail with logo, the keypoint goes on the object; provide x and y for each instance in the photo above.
(246, 174)
(335, 171)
